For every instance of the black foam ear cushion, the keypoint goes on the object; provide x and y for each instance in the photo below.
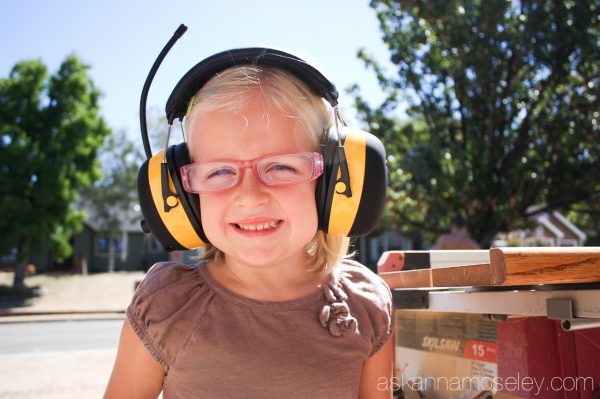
(178, 156)
(326, 183)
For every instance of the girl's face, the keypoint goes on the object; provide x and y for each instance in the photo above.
(251, 223)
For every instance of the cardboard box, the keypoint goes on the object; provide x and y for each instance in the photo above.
(445, 355)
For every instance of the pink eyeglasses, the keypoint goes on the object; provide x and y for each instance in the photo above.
(271, 170)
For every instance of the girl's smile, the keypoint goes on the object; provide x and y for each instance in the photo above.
(257, 225)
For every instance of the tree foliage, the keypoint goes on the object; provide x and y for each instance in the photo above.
(50, 130)
(503, 99)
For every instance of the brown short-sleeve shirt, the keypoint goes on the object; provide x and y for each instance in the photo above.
(214, 343)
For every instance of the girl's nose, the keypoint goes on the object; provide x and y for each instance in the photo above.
(250, 191)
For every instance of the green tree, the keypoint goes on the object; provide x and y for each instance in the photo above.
(503, 99)
(112, 200)
(50, 130)
(586, 216)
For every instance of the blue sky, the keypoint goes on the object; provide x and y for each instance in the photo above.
(120, 39)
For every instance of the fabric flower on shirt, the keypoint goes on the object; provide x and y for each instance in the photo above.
(335, 315)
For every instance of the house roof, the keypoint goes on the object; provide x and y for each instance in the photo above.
(544, 219)
(580, 234)
(130, 219)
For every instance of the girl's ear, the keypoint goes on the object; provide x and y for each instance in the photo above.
(311, 248)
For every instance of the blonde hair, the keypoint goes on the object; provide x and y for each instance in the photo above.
(276, 89)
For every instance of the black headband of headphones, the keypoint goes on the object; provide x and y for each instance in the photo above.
(204, 70)
(196, 77)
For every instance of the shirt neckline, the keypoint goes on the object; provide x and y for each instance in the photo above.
(238, 299)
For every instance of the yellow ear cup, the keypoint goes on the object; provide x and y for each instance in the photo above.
(344, 209)
(176, 220)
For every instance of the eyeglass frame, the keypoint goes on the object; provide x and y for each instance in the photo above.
(316, 158)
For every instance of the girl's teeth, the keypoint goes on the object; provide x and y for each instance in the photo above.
(257, 227)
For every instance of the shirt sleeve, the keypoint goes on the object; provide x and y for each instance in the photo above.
(384, 321)
(159, 312)
(371, 300)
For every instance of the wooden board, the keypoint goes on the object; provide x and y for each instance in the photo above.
(457, 276)
(395, 261)
(547, 265)
(508, 267)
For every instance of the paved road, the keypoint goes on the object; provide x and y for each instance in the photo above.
(59, 336)
(57, 360)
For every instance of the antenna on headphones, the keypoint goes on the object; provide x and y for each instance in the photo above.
(143, 126)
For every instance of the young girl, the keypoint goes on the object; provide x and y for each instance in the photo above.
(274, 310)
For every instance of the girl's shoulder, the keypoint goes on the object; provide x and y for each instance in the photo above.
(167, 275)
(170, 285)
(359, 279)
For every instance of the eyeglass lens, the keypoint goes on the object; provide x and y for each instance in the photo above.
(272, 170)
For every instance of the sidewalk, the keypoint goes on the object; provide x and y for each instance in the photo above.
(55, 375)
(72, 296)
(66, 373)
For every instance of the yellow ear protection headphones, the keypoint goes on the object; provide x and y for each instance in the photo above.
(350, 194)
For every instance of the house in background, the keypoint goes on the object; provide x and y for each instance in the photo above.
(134, 250)
(559, 231)
(550, 229)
